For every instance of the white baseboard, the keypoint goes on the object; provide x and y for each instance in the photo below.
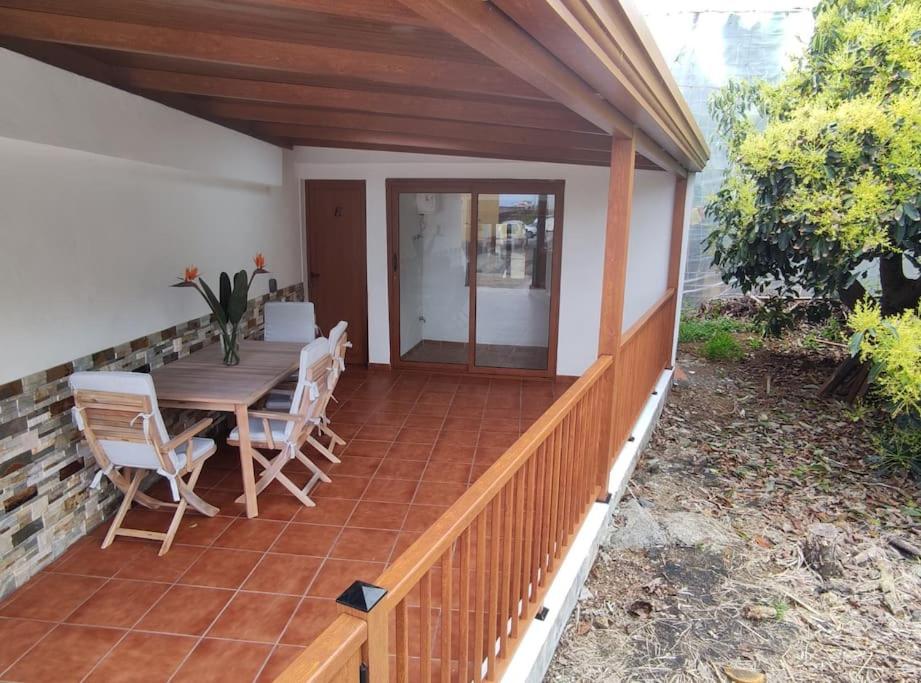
(532, 658)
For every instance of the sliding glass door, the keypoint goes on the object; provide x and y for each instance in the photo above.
(475, 270)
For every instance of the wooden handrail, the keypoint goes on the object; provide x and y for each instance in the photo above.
(323, 659)
(641, 323)
(402, 576)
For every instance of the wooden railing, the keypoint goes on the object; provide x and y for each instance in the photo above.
(645, 350)
(459, 599)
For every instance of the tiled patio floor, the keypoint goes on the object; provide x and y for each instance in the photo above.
(237, 599)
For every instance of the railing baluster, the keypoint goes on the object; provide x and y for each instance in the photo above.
(479, 596)
(542, 504)
(402, 642)
(518, 552)
(528, 571)
(463, 617)
(553, 521)
(493, 607)
(506, 585)
(446, 581)
(425, 627)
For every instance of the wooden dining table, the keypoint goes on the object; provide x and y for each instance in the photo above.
(201, 381)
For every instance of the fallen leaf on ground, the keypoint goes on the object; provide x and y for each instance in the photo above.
(744, 675)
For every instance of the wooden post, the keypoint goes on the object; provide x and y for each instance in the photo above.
(617, 235)
(674, 262)
(359, 600)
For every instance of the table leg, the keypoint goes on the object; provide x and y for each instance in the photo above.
(246, 461)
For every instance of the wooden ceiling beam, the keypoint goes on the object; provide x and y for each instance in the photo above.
(405, 125)
(533, 115)
(386, 11)
(486, 29)
(306, 60)
(406, 141)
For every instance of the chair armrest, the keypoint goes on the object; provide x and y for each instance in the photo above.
(187, 435)
(272, 415)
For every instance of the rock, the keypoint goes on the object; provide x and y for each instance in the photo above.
(585, 594)
(744, 675)
(820, 550)
(640, 530)
(691, 529)
(759, 612)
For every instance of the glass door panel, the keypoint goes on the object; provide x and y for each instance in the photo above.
(514, 268)
(434, 231)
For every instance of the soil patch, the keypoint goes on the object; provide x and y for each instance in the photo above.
(704, 563)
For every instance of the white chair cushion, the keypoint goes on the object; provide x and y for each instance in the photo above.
(289, 321)
(201, 448)
(335, 335)
(257, 431)
(279, 400)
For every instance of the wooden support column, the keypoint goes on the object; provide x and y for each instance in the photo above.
(616, 239)
(674, 258)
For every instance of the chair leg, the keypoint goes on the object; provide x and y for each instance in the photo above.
(273, 472)
(186, 495)
(338, 440)
(123, 508)
(324, 451)
(308, 463)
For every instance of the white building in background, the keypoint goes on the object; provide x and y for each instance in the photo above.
(707, 43)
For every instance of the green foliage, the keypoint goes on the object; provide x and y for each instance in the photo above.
(832, 331)
(825, 166)
(756, 343)
(694, 329)
(892, 344)
(722, 346)
(898, 447)
(774, 318)
(811, 342)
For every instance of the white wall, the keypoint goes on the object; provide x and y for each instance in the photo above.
(650, 238)
(105, 198)
(583, 231)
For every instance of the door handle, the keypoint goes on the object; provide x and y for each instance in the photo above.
(395, 262)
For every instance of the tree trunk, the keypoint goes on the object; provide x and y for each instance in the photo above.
(900, 293)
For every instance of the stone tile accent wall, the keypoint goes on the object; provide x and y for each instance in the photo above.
(45, 467)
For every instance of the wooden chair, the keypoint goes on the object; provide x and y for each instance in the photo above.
(287, 432)
(280, 399)
(118, 414)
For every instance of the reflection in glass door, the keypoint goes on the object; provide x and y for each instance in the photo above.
(434, 231)
(514, 271)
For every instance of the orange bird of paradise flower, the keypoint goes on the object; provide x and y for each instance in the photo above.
(191, 273)
(259, 260)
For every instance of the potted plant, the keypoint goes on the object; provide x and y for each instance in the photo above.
(229, 306)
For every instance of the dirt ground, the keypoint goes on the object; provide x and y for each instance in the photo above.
(709, 561)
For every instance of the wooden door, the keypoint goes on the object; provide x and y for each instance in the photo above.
(337, 282)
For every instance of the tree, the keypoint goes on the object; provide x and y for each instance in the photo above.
(825, 166)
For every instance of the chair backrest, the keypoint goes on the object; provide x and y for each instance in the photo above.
(118, 414)
(338, 340)
(311, 392)
(289, 321)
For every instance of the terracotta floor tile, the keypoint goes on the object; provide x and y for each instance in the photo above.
(337, 575)
(352, 466)
(365, 448)
(334, 511)
(341, 487)
(225, 501)
(208, 662)
(469, 424)
(278, 662)
(307, 539)
(185, 610)
(469, 401)
(472, 412)
(251, 534)
(378, 515)
(199, 530)
(404, 540)
(91, 560)
(143, 658)
(280, 507)
(386, 419)
(401, 469)
(449, 453)
(437, 410)
(488, 455)
(147, 565)
(409, 451)
(438, 493)
(17, 636)
(422, 436)
(386, 490)
(65, 654)
(424, 422)
(436, 397)
(378, 433)
(51, 597)
(500, 424)
(312, 616)
(118, 604)
(420, 517)
(372, 545)
(447, 471)
(457, 437)
(290, 574)
(221, 568)
(255, 616)
(496, 439)
(349, 417)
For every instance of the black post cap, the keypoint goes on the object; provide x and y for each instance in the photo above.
(361, 596)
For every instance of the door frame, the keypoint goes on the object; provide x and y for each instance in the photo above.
(472, 186)
(363, 284)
